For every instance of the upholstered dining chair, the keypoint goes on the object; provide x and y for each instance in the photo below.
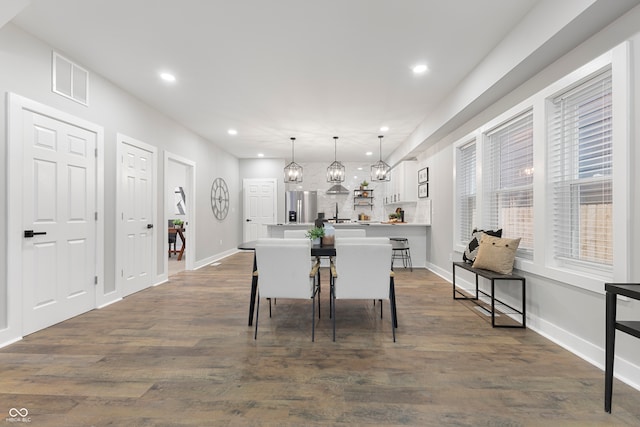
(295, 234)
(285, 271)
(361, 270)
(350, 232)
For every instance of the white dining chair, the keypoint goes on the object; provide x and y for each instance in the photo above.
(361, 270)
(285, 271)
(295, 234)
(350, 232)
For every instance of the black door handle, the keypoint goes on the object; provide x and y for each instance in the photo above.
(248, 220)
(31, 233)
(149, 225)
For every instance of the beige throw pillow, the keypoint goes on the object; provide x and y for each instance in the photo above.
(496, 254)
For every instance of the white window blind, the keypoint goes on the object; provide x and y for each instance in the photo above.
(580, 173)
(466, 190)
(508, 181)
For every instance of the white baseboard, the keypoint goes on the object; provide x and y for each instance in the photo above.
(214, 258)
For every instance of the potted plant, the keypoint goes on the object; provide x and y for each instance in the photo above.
(315, 234)
(364, 184)
(178, 223)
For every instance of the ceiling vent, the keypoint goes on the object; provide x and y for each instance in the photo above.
(69, 79)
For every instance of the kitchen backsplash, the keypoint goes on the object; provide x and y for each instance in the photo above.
(315, 180)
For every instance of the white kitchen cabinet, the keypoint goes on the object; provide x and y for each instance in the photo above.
(403, 187)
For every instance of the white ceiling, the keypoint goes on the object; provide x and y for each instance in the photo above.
(281, 68)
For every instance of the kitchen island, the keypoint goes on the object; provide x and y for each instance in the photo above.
(415, 233)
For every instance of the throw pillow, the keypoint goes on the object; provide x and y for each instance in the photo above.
(471, 251)
(496, 254)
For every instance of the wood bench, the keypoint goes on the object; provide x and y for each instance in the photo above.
(492, 276)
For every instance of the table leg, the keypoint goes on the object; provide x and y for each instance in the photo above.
(254, 289)
(392, 295)
(493, 301)
(611, 300)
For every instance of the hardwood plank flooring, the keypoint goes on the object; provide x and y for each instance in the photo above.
(181, 354)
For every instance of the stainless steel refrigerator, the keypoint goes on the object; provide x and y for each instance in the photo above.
(301, 206)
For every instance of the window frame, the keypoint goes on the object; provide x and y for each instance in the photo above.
(460, 241)
(542, 262)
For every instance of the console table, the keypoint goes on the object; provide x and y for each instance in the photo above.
(631, 327)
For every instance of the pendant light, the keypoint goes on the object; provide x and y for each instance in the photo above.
(293, 171)
(380, 171)
(336, 170)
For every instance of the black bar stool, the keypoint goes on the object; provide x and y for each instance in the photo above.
(402, 252)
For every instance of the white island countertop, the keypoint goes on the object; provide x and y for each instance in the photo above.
(416, 233)
(349, 224)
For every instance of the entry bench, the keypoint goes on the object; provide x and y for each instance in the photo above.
(493, 277)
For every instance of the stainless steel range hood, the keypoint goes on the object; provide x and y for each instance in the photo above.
(337, 189)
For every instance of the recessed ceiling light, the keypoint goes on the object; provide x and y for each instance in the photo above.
(360, 168)
(419, 69)
(369, 153)
(384, 128)
(232, 132)
(260, 155)
(168, 77)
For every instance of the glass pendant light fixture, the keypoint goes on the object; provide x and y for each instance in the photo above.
(336, 170)
(380, 171)
(293, 171)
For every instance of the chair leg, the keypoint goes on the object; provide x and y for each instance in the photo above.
(333, 309)
(255, 334)
(319, 290)
(393, 326)
(313, 318)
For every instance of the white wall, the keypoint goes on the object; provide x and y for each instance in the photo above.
(25, 69)
(571, 316)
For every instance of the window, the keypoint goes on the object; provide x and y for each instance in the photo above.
(508, 180)
(466, 190)
(580, 159)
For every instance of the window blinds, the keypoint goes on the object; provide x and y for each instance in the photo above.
(508, 180)
(466, 190)
(580, 172)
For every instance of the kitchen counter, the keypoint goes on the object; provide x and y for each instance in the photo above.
(415, 233)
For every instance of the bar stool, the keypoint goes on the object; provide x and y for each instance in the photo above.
(401, 251)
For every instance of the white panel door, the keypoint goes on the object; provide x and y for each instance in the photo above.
(259, 207)
(59, 208)
(137, 217)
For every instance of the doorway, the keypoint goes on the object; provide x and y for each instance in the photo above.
(179, 190)
(55, 210)
(136, 210)
(259, 207)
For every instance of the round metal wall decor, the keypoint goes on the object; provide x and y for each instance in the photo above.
(219, 198)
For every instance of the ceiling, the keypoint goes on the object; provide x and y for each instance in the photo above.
(281, 68)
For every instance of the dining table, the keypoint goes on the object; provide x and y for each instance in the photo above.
(318, 251)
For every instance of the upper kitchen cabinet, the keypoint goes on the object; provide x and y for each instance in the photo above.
(403, 187)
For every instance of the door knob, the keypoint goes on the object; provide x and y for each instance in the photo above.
(248, 220)
(149, 225)
(31, 233)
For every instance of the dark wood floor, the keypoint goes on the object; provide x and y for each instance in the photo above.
(182, 354)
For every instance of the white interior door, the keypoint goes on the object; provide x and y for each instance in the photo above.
(260, 207)
(59, 208)
(137, 215)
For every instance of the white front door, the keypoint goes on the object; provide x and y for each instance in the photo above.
(260, 207)
(137, 215)
(59, 221)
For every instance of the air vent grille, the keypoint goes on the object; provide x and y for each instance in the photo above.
(69, 79)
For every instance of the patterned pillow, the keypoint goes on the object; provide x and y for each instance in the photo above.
(471, 251)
